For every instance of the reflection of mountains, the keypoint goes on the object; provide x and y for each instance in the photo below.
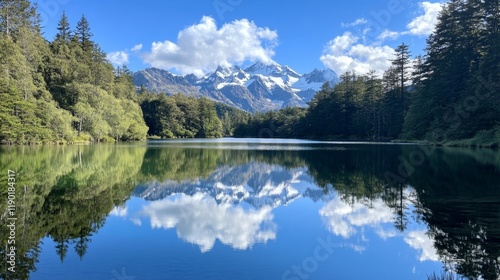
(255, 183)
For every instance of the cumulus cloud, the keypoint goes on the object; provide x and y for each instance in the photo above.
(200, 220)
(343, 219)
(118, 58)
(419, 240)
(424, 25)
(202, 47)
(137, 48)
(344, 53)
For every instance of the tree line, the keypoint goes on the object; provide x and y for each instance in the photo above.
(180, 116)
(64, 90)
(448, 96)
(358, 107)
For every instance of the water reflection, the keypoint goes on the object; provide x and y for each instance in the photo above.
(199, 220)
(345, 219)
(421, 241)
(446, 210)
(352, 219)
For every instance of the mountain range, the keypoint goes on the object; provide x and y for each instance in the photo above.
(258, 88)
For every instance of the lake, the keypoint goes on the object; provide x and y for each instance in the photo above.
(250, 209)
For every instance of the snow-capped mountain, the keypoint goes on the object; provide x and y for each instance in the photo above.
(260, 87)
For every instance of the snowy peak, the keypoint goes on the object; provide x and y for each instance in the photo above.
(318, 76)
(274, 69)
(224, 76)
(233, 71)
(315, 80)
(264, 69)
(260, 87)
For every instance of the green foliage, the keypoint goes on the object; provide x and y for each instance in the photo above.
(230, 117)
(180, 116)
(458, 96)
(62, 91)
(280, 124)
(64, 30)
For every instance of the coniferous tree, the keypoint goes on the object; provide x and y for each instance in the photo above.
(456, 98)
(64, 29)
(402, 65)
(84, 35)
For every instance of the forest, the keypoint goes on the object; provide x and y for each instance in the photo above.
(448, 96)
(61, 91)
(66, 91)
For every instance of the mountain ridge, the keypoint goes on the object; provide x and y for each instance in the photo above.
(258, 88)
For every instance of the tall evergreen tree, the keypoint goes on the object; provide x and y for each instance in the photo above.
(64, 29)
(402, 65)
(84, 35)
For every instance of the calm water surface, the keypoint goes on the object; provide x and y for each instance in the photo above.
(252, 209)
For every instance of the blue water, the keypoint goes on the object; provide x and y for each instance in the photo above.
(267, 209)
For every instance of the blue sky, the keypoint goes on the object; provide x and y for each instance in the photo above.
(194, 36)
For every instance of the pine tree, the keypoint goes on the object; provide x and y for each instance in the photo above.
(402, 64)
(64, 30)
(84, 35)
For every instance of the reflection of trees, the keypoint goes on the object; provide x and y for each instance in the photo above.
(357, 174)
(69, 192)
(178, 163)
(457, 195)
(462, 211)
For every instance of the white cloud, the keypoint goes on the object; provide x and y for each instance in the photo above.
(118, 58)
(357, 22)
(119, 211)
(200, 220)
(343, 54)
(202, 47)
(419, 240)
(344, 219)
(386, 233)
(137, 48)
(424, 25)
(387, 34)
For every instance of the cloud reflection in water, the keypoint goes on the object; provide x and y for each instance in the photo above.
(200, 220)
(347, 219)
